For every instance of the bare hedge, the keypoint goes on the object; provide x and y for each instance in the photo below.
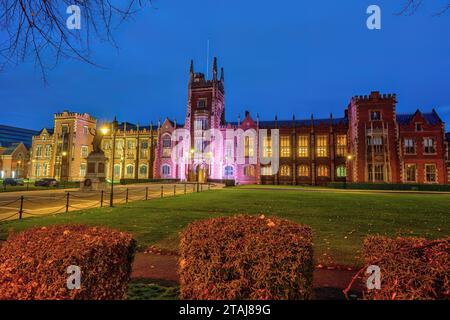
(33, 263)
(246, 257)
(411, 268)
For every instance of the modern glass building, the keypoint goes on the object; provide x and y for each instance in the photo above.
(10, 135)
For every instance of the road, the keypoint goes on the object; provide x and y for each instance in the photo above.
(46, 202)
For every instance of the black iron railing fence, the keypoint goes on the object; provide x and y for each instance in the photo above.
(29, 204)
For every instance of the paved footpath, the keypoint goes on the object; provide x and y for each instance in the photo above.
(45, 202)
(328, 283)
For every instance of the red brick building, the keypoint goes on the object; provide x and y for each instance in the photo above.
(398, 148)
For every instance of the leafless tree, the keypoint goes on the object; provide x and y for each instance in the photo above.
(37, 30)
(411, 6)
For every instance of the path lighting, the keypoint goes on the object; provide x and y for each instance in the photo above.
(114, 131)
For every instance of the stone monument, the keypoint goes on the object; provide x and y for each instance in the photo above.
(96, 165)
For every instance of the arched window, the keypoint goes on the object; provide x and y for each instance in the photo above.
(303, 171)
(322, 171)
(167, 145)
(143, 170)
(228, 171)
(249, 171)
(130, 170)
(341, 172)
(285, 171)
(117, 170)
(165, 169)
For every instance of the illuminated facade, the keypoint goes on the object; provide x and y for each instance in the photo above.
(369, 143)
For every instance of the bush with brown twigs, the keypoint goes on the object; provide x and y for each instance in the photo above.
(246, 257)
(33, 263)
(411, 268)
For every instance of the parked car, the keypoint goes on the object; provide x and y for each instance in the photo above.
(13, 182)
(46, 182)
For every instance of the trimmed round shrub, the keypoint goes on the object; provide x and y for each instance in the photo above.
(246, 257)
(411, 268)
(34, 263)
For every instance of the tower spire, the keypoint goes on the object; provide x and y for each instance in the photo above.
(215, 69)
(222, 75)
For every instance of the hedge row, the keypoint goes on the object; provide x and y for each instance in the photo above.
(33, 263)
(411, 268)
(389, 186)
(246, 257)
(132, 181)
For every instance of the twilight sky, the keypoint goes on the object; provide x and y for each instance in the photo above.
(280, 57)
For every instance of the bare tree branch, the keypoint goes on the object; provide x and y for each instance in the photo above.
(411, 6)
(37, 29)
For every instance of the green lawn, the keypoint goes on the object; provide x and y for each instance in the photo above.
(339, 220)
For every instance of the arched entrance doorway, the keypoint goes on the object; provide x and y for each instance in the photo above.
(202, 173)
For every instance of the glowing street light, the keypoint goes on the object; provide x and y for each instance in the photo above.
(104, 130)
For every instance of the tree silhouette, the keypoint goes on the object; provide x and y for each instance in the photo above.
(37, 30)
(411, 6)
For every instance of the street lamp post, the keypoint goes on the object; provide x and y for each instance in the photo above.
(349, 158)
(113, 131)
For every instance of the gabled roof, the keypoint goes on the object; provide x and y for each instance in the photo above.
(50, 131)
(10, 150)
(431, 117)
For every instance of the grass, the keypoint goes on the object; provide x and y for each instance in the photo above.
(147, 289)
(339, 220)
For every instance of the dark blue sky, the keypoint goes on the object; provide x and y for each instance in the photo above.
(280, 57)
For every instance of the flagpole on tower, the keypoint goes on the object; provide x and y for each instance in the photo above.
(207, 59)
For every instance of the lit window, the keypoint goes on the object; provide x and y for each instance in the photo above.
(39, 151)
(341, 145)
(82, 169)
(341, 172)
(84, 151)
(410, 171)
(303, 171)
(285, 146)
(45, 167)
(249, 146)
(376, 172)
(285, 171)
(322, 146)
(85, 130)
(48, 149)
(267, 147)
(249, 171)
(430, 173)
(167, 146)
(303, 146)
(322, 171)
(266, 170)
